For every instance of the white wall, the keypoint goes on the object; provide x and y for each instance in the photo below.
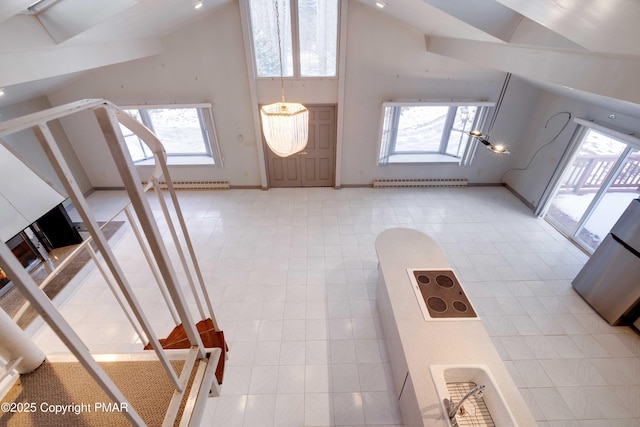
(91, 148)
(27, 146)
(388, 61)
(205, 62)
(531, 183)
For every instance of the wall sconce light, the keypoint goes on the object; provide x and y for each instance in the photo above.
(197, 4)
(484, 138)
(381, 4)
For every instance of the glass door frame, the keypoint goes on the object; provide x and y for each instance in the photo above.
(572, 150)
(604, 188)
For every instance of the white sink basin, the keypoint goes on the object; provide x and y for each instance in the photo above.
(445, 376)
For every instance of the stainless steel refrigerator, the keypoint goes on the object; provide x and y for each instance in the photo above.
(610, 280)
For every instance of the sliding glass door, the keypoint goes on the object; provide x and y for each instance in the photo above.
(621, 190)
(595, 188)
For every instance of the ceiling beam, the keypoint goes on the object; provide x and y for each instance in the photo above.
(607, 75)
(599, 25)
(25, 66)
(533, 34)
(487, 15)
(66, 19)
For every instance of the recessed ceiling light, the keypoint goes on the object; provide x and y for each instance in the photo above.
(197, 4)
(1, 92)
(381, 4)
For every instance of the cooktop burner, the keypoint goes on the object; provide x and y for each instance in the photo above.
(444, 281)
(442, 293)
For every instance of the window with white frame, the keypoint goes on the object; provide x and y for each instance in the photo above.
(186, 131)
(417, 132)
(308, 36)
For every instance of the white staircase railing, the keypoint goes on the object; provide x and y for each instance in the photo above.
(8, 374)
(144, 226)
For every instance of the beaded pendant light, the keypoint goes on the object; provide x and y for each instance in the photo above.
(285, 124)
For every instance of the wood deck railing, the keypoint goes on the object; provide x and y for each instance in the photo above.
(587, 173)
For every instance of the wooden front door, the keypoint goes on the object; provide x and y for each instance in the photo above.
(315, 165)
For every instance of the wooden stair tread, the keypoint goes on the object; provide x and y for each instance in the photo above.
(178, 339)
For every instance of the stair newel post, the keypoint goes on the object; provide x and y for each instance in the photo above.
(117, 146)
(16, 344)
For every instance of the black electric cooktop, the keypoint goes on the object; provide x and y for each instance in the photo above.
(443, 294)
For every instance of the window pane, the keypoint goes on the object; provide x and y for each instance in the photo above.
(137, 149)
(265, 37)
(624, 188)
(318, 22)
(427, 133)
(388, 134)
(462, 124)
(179, 130)
(583, 178)
(420, 129)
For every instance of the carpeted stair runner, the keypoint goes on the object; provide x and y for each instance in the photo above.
(68, 385)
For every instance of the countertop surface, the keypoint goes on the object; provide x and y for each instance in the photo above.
(425, 343)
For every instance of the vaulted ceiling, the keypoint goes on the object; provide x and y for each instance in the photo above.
(587, 48)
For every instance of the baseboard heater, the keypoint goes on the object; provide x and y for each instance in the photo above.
(420, 183)
(197, 185)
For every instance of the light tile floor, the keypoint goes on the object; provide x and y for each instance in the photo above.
(292, 275)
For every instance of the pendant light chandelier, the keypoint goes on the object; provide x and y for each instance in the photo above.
(285, 124)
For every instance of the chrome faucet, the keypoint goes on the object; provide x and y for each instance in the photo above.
(452, 409)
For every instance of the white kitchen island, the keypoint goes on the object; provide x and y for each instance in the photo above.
(415, 344)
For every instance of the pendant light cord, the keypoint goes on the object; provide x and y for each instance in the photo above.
(499, 104)
(548, 143)
(279, 50)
